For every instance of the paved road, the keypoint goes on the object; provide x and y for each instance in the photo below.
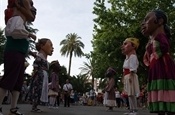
(73, 110)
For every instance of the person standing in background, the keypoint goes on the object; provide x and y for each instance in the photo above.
(54, 84)
(92, 95)
(67, 88)
(105, 93)
(117, 97)
(110, 102)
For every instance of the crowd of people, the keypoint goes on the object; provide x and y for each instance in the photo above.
(41, 90)
(77, 98)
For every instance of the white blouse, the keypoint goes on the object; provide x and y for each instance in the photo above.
(15, 28)
(131, 63)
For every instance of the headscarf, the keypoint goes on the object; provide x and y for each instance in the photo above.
(135, 41)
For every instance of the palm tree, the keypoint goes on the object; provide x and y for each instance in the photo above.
(80, 83)
(87, 68)
(71, 45)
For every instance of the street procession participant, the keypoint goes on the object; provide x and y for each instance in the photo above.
(16, 48)
(130, 78)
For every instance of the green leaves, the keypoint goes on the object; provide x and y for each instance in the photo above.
(115, 21)
(2, 45)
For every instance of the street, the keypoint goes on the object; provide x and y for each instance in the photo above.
(73, 110)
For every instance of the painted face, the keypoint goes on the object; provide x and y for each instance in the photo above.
(127, 47)
(149, 24)
(30, 12)
(48, 48)
(33, 9)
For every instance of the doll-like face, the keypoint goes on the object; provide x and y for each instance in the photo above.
(30, 10)
(47, 48)
(33, 9)
(127, 47)
(149, 24)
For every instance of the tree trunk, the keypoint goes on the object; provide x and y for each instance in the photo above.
(92, 82)
(70, 61)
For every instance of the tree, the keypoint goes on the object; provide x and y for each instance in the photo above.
(80, 83)
(62, 75)
(71, 45)
(31, 42)
(2, 45)
(117, 20)
(87, 69)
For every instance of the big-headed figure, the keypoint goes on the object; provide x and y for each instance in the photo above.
(18, 12)
(130, 78)
(161, 67)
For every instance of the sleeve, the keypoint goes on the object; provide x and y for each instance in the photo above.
(160, 45)
(20, 34)
(64, 87)
(133, 63)
(37, 62)
(15, 28)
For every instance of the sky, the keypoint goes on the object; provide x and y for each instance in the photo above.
(57, 18)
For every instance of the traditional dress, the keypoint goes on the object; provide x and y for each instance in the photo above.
(110, 102)
(131, 83)
(161, 78)
(16, 48)
(39, 84)
(131, 64)
(53, 85)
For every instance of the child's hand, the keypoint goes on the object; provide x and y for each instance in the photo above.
(32, 36)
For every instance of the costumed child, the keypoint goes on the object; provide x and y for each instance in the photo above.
(130, 78)
(110, 89)
(54, 86)
(16, 48)
(38, 91)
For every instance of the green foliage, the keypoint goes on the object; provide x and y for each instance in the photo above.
(80, 83)
(34, 31)
(87, 68)
(2, 45)
(115, 21)
(62, 75)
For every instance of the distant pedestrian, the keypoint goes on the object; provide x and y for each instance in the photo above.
(54, 84)
(117, 97)
(67, 88)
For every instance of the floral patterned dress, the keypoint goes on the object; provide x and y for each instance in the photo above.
(39, 83)
(161, 75)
